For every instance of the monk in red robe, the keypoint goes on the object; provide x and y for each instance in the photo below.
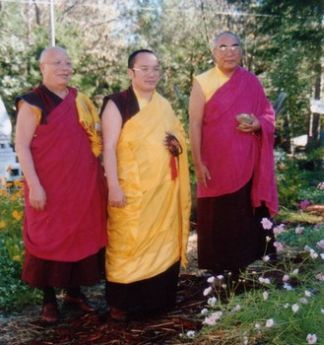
(232, 137)
(58, 143)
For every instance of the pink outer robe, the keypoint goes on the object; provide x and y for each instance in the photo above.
(73, 224)
(234, 157)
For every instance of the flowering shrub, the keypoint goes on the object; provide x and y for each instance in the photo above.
(14, 294)
(11, 215)
(282, 301)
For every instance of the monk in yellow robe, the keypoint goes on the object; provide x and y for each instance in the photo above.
(146, 167)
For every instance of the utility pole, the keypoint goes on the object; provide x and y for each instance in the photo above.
(52, 23)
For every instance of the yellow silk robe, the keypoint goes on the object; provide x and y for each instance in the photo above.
(150, 233)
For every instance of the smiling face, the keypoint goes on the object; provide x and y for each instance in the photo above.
(227, 53)
(56, 68)
(145, 74)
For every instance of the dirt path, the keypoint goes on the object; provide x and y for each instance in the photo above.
(99, 328)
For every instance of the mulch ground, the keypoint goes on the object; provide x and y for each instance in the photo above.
(24, 328)
(99, 328)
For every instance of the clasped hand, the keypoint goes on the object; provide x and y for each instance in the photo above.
(249, 127)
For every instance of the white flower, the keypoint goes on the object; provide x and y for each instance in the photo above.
(236, 308)
(311, 338)
(308, 293)
(295, 271)
(295, 308)
(279, 229)
(212, 301)
(265, 295)
(299, 230)
(216, 315)
(266, 223)
(245, 340)
(320, 276)
(220, 277)
(191, 334)
(322, 256)
(269, 323)
(285, 277)
(320, 186)
(204, 311)
(213, 318)
(320, 244)
(264, 280)
(211, 279)
(313, 254)
(322, 310)
(207, 291)
(286, 305)
(209, 321)
(257, 325)
(266, 258)
(279, 246)
(224, 286)
(268, 238)
(287, 287)
(303, 300)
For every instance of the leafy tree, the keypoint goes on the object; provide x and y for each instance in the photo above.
(288, 47)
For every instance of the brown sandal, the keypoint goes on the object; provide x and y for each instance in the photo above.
(80, 302)
(50, 313)
(118, 314)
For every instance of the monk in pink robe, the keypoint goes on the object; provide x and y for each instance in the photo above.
(65, 194)
(232, 137)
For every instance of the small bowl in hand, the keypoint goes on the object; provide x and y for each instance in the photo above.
(244, 118)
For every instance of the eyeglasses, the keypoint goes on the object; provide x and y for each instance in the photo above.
(147, 70)
(234, 48)
(59, 64)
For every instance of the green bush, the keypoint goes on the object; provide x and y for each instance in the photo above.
(14, 294)
(290, 181)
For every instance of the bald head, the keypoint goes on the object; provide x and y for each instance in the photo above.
(50, 51)
(56, 68)
(218, 37)
(227, 52)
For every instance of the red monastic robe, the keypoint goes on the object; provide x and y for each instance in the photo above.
(231, 156)
(73, 224)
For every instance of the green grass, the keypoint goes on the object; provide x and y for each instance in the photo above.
(289, 328)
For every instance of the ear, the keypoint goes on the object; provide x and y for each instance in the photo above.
(41, 67)
(214, 54)
(130, 73)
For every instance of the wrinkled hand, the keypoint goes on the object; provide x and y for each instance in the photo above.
(116, 197)
(202, 174)
(37, 197)
(249, 127)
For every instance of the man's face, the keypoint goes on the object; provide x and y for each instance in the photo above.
(227, 53)
(56, 68)
(146, 72)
